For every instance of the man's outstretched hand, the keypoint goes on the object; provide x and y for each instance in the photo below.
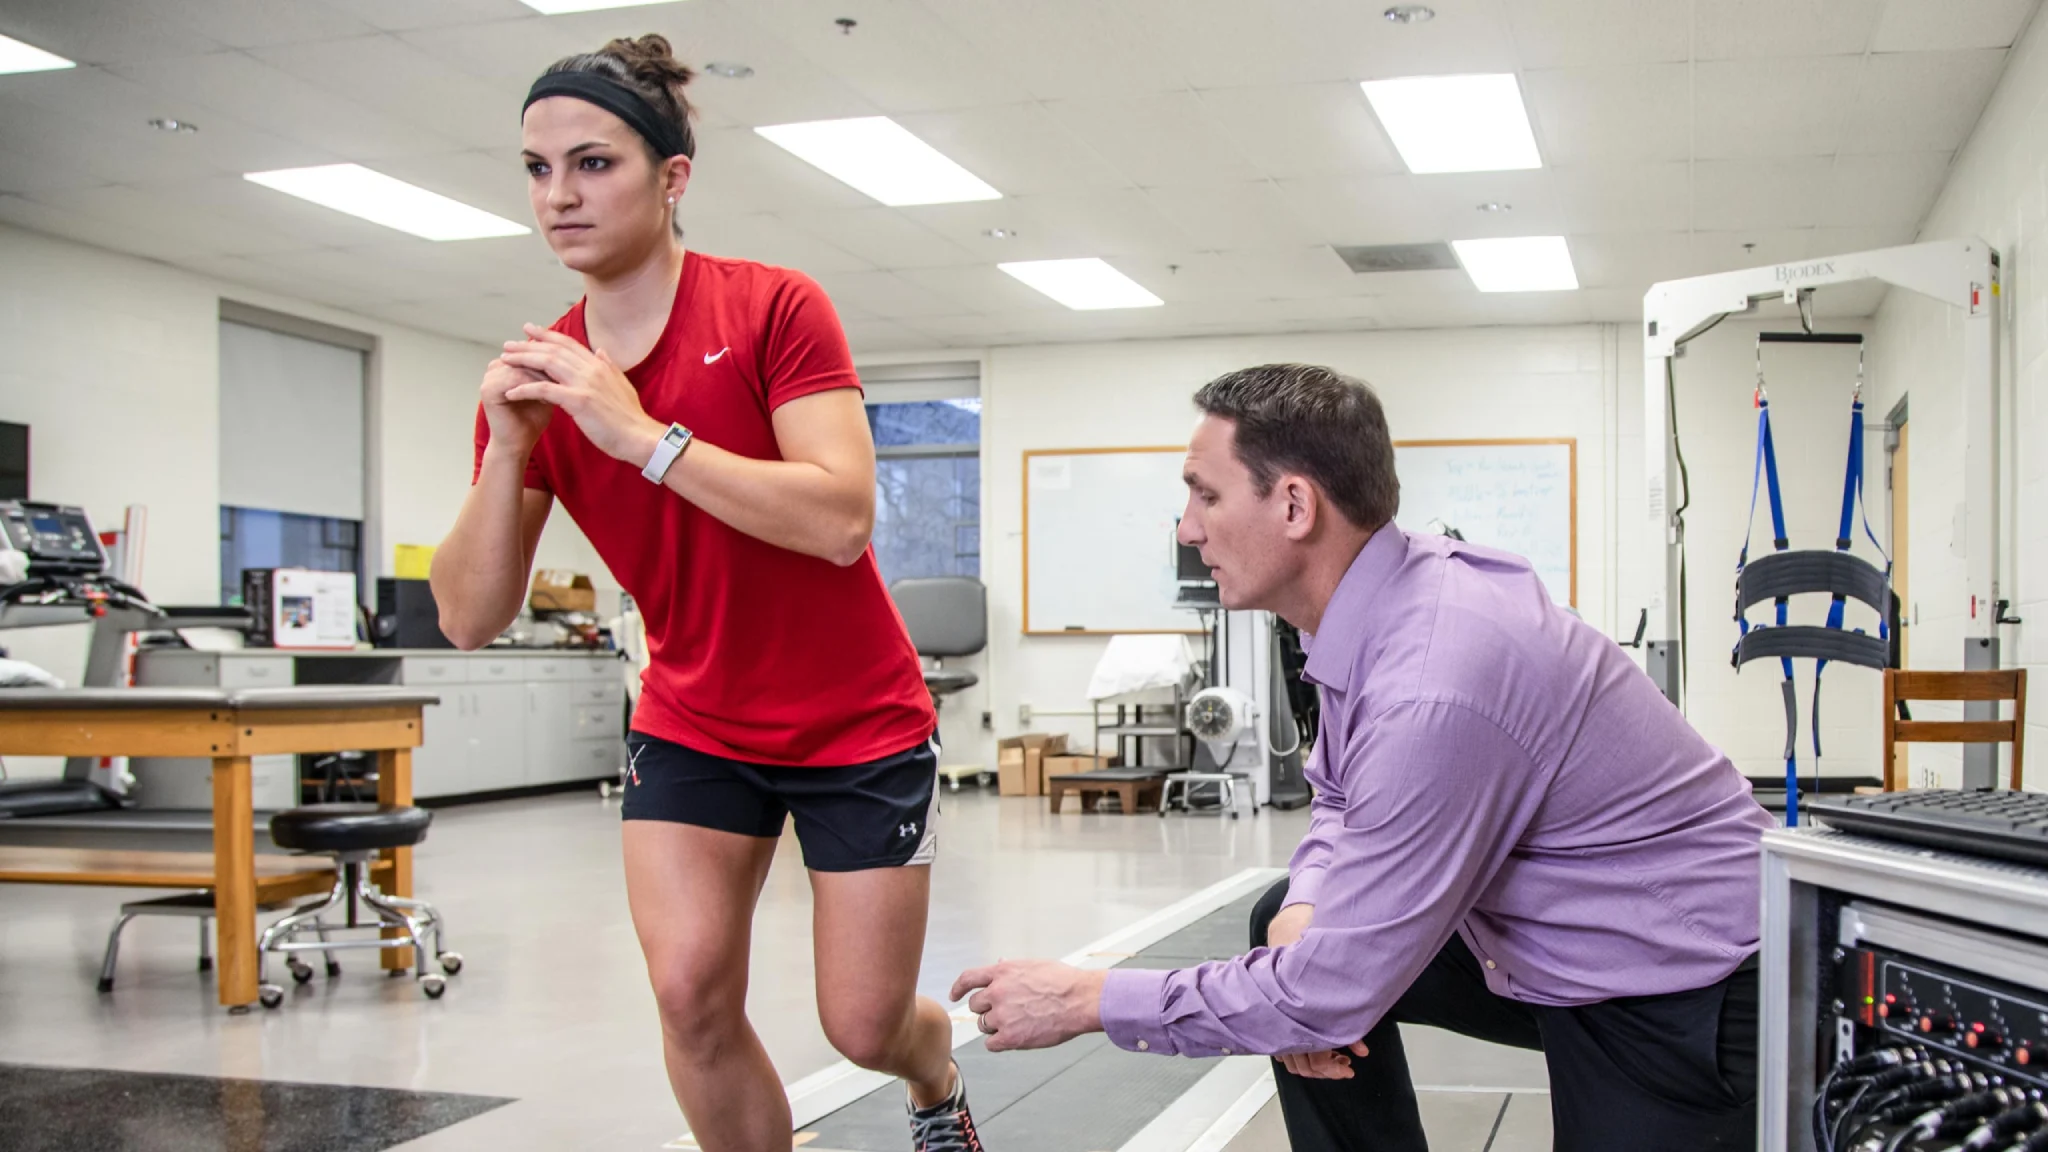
(1032, 1003)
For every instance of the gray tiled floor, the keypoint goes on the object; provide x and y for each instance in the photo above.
(553, 1008)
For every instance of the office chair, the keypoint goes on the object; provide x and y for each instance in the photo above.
(947, 617)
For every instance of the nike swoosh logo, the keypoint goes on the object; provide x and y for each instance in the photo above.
(713, 358)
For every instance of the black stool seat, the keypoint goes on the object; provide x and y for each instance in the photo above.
(944, 681)
(349, 827)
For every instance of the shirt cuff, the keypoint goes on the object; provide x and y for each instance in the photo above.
(1131, 1005)
(1303, 886)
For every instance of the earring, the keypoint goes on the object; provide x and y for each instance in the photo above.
(671, 201)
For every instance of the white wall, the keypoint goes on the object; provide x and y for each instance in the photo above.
(1997, 190)
(114, 363)
(1494, 382)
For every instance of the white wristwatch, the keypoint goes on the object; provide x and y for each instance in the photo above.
(670, 446)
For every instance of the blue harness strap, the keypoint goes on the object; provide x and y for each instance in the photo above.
(1764, 477)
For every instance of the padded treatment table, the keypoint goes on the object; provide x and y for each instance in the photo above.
(229, 727)
(1131, 786)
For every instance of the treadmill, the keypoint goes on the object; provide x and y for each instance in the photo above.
(68, 583)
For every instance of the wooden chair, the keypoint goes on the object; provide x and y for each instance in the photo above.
(1971, 686)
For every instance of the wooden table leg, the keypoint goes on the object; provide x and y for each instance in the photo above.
(394, 786)
(234, 880)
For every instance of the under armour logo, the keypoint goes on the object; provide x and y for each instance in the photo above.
(715, 357)
(907, 831)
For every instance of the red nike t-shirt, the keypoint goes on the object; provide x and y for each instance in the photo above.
(756, 653)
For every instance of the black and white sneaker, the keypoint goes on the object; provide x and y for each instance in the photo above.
(946, 1126)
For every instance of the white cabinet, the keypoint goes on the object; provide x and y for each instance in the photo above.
(506, 720)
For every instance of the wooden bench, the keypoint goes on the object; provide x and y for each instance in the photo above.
(1133, 788)
(278, 878)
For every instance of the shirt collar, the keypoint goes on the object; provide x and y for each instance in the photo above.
(1333, 650)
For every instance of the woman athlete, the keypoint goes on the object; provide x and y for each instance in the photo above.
(700, 420)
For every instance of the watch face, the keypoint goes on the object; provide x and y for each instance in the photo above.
(676, 435)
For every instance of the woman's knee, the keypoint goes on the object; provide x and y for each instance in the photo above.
(1266, 909)
(702, 1005)
(867, 1034)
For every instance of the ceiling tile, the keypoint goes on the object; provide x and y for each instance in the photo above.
(1410, 209)
(738, 172)
(178, 229)
(981, 288)
(403, 15)
(1752, 248)
(1156, 141)
(1878, 191)
(770, 241)
(1931, 25)
(258, 23)
(1626, 112)
(1632, 261)
(1303, 129)
(1019, 149)
(882, 237)
(1254, 215)
(272, 99)
(902, 57)
(1221, 43)
(105, 31)
(479, 179)
(1106, 224)
(1772, 193)
(1067, 49)
(1921, 101)
(111, 114)
(1749, 107)
(387, 74)
(1765, 29)
(1573, 33)
(1623, 197)
(867, 337)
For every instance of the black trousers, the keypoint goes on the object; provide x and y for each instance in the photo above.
(1670, 1073)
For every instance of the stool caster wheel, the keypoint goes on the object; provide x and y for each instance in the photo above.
(270, 994)
(604, 790)
(301, 971)
(451, 962)
(206, 963)
(333, 969)
(433, 986)
(1234, 815)
(106, 985)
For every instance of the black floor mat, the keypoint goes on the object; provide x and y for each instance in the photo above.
(93, 1110)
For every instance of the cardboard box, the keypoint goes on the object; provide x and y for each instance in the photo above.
(1020, 762)
(560, 590)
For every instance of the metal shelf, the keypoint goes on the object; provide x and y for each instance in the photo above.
(1129, 725)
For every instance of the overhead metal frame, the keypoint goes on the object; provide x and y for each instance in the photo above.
(1959, 273)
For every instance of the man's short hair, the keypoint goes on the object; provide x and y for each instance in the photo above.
(1313, 421)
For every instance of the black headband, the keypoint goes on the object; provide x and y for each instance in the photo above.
(667, 138)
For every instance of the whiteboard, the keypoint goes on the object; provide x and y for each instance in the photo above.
(1518, 496)
(1098, 540)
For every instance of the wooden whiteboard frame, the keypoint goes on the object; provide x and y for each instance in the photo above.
(1530, 442)
(1033, 453)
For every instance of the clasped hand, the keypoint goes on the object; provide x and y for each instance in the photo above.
(562, 373)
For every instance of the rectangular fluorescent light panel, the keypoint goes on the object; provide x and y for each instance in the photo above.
(558, 7)
(881, 158)
(380, 199)
(18, 57)
(1084, 285)
(1518, 264)
(1456, 123)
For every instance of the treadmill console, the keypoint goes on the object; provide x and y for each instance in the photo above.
(58, 538)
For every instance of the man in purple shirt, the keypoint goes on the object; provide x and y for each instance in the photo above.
(1514, 836)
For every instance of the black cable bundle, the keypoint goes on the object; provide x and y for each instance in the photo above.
(1999, 1130)
(1960, 1117)
(1853, 1078)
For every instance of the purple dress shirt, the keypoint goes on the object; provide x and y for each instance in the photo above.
(1488, 765)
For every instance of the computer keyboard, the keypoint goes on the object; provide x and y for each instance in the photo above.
(2012, 825)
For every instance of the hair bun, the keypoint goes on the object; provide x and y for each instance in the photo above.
(651, 60)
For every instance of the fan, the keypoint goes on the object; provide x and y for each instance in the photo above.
(1217, 715)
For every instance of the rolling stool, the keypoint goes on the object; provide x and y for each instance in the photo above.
(353, 834)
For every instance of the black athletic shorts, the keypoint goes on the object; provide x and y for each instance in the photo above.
(874, 815)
